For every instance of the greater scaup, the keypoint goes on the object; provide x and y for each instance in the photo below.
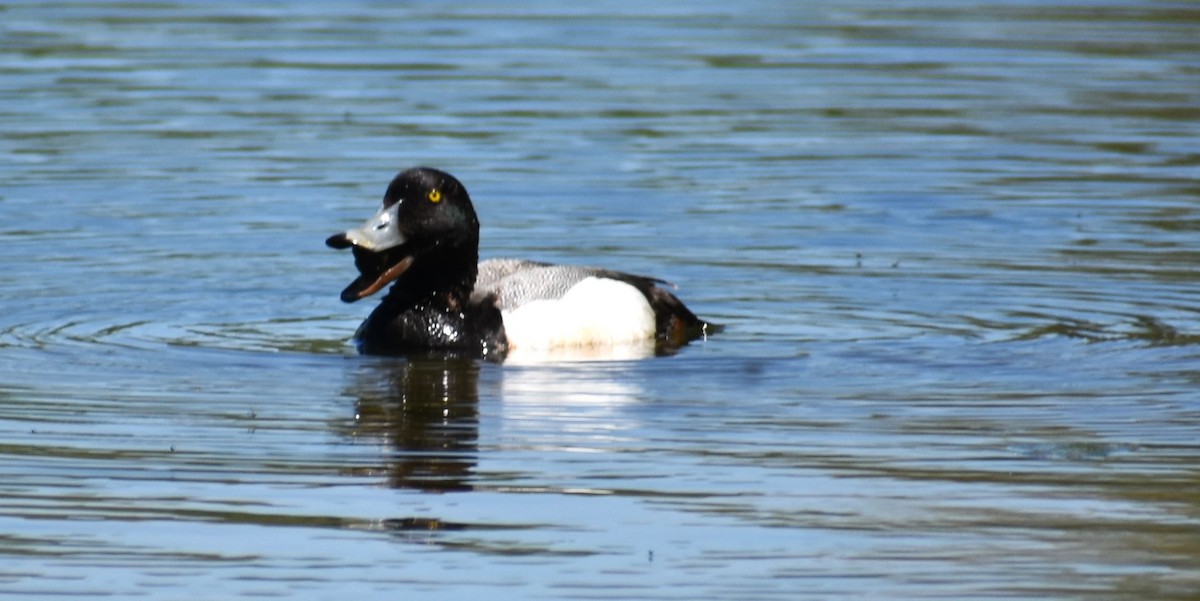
(425, 239)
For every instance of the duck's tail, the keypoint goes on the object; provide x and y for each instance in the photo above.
(676, 324)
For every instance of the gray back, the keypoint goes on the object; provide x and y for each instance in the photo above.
(515, 282)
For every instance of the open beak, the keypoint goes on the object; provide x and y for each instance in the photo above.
(379, 253)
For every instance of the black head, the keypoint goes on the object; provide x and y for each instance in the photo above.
(426, 229)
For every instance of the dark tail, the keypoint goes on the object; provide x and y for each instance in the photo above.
(676, 325)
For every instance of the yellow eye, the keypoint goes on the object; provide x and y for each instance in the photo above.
(435, 195)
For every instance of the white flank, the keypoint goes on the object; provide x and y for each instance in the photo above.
(596, 312)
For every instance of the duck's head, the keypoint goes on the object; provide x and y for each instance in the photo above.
(427, 229)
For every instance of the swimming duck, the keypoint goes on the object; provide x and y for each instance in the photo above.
(424, 241)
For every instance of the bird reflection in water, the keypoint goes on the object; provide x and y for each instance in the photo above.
(427, 412)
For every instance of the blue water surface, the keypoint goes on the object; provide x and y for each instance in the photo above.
(954, 245)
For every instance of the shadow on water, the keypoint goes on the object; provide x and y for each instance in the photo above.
(427, 412)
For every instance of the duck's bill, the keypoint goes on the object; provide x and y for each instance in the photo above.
(379, 233)
(379, 253)
(376, 271)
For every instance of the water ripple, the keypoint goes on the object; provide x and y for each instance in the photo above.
(951, 242)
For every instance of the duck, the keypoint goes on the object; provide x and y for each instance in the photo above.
(424, 243)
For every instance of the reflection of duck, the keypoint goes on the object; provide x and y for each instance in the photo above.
(426, 240)
(428, 412)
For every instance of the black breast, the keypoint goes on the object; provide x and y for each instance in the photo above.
(475, 329)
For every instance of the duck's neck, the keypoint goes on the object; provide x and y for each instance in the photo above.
(440, 281)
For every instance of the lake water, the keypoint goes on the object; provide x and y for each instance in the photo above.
(956, 246)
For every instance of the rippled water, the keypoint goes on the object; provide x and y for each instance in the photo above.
(955, 246)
